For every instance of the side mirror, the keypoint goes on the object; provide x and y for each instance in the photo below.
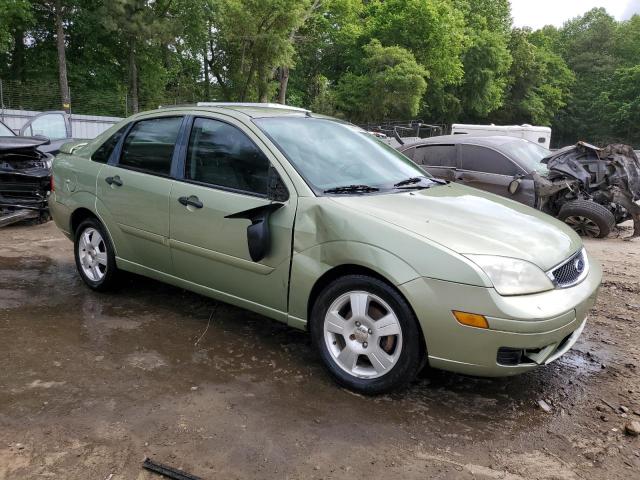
(258, 233)
(514, 186)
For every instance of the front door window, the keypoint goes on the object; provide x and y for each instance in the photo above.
(221, 155)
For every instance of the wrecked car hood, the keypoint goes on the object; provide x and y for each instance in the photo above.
(21, 156)
(11, 144)
(597, 168)
(471, 221)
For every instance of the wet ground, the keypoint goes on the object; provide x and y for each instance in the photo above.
(91, 384)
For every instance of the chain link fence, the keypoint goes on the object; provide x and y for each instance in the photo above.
(43, 96)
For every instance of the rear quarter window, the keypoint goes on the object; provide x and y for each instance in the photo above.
(104, 151)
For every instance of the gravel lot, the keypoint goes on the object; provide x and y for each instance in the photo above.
(91, 384)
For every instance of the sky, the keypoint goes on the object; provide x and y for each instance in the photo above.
(538, 13)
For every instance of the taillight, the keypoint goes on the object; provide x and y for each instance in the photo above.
(52, 184)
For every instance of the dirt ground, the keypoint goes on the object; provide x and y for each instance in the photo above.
(91, 384)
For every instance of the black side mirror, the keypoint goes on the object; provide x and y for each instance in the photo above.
(258, 233)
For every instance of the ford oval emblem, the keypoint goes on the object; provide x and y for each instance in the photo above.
(578, 264)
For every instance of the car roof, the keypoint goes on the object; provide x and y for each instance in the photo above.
(253, 110)
(487, 141)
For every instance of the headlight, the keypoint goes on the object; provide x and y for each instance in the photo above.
(511, 276)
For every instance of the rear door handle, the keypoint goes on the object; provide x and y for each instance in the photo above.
(114, 181)
(191, 201)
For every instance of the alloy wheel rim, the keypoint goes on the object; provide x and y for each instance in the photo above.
(583, 225)
(92, 252)
(363, 334)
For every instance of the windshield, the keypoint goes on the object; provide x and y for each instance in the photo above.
(528, 154)
(6, 131)
(329, 154)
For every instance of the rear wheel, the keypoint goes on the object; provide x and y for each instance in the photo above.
(587, 218)
(95, 256)
(366, 334)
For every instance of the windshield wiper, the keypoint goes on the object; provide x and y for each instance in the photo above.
(409, 182)
(352, 189)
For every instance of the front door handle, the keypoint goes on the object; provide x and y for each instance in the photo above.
(114, 181)
(191, 201)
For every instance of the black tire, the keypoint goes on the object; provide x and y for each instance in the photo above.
(110, 273)
(587, 218)
(411, 356)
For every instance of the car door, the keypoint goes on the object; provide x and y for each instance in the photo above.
(487, 169)
(53, 125)
(133, 192)
(226, 171)
(437, 159)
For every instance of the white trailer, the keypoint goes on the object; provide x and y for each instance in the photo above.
(539, 135)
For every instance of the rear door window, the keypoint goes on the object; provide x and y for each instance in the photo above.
(149, 145)
(222, 155)
(481, 159)
(436, 155)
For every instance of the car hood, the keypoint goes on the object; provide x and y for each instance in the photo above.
(470, 221)
(12, 144)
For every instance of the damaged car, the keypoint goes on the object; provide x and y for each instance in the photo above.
(589, 188)
(25, 179)
(25, 166)
(313, 222)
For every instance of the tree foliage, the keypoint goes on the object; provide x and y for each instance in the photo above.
(362, 60)
(539, 82)
(390, 85)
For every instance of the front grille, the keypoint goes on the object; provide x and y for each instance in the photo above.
(570, 272)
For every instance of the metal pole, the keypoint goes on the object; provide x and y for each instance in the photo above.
(1, 101)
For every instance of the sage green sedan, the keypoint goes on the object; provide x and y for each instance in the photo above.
(313, 222)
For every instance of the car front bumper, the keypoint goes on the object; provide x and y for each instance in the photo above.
(525, 331)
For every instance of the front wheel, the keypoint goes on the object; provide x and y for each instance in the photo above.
(587, 218)
(95, 256)
(367, 335)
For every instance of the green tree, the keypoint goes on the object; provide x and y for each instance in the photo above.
(486, 59)
(327, 46)
(391, 85)
(627, 41)
(15, 17)
(620, 105)
(12, 12)
(434, 32)
(539, 83)
(587, 44)
(140, 28)
(249, 40)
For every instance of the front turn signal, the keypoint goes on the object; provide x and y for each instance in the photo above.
(471, 319)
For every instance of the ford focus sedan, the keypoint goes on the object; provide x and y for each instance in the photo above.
(315, 223)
